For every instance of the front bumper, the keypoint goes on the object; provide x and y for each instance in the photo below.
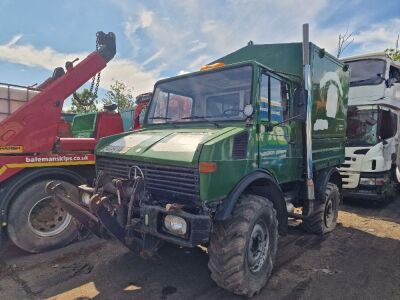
(363, 194)
(151, 222)
(370, 191)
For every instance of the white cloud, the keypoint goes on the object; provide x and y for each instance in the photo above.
(378, 36)
(209, 26)
(199, 62)
(130, 73)
(181, 36)
(123, 70)
(153, 57)
(218, 28)
(146, 18)
(198, 46)
(14, 40)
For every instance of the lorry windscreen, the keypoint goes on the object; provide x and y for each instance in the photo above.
(366, 71)
(362, 126)
(219, 95)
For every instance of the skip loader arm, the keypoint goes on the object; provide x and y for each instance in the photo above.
(33, 127)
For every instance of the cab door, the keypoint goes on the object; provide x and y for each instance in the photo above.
(279, 138)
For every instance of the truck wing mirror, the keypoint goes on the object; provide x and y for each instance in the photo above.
(390, 82)
(299, 105)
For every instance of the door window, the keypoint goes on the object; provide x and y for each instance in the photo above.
(278, 93)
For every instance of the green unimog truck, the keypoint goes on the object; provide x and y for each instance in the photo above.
(224, 157)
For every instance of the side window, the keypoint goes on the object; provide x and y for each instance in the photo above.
(278, 92)
(394, 75)
(276, 101)
(264, 97)
(389, 127)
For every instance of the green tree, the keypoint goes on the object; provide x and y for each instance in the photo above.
(393, 54)
(83, 103)
(119, 94)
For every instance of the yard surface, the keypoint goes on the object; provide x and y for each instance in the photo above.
(359, 260)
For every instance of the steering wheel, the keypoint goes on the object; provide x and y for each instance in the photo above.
(225, 112)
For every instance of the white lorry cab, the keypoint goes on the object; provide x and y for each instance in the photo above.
(369, 170)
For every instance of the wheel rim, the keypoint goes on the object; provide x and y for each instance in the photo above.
(329, 215)
(47, 218)
(258, 247)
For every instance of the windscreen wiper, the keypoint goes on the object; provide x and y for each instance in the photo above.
(201, 117)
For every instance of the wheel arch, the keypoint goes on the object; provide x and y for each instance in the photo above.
(259, 183)
(16, 184)
(323, 177)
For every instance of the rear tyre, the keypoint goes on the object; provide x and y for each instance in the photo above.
(326, 210)
(38, 223)
(242, 249)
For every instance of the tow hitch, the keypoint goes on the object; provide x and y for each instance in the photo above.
(94, 219)
(104, 212)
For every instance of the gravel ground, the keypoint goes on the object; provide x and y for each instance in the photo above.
(359, 260)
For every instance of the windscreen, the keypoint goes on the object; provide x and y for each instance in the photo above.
(213, 96)
(362, 126)
(366, 72)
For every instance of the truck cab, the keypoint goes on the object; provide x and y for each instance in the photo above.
(369, 171)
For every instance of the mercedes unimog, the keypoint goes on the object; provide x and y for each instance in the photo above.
(224, 156)
(369, 170)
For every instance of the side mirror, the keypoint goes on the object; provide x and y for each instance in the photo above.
(390, 82)
(299, 105)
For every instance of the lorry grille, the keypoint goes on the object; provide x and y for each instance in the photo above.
(168, 182)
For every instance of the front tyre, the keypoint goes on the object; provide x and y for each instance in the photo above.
(242, 249)
(324, 217)
(37, 223)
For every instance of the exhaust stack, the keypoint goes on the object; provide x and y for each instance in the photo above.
(308, 87)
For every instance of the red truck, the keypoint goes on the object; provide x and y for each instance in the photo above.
(36, 146)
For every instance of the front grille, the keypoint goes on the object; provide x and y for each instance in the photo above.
(162, 181)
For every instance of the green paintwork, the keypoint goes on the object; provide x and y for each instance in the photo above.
(84, 125)
(127, 118)
(278, 151)
(167, 146)
(68, 117)
(287, 58)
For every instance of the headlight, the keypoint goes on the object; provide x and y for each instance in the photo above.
(175, 225)
(372, 181)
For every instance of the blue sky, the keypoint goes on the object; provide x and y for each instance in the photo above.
(157, 39)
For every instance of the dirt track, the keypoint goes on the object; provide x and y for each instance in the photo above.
(359, 260)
